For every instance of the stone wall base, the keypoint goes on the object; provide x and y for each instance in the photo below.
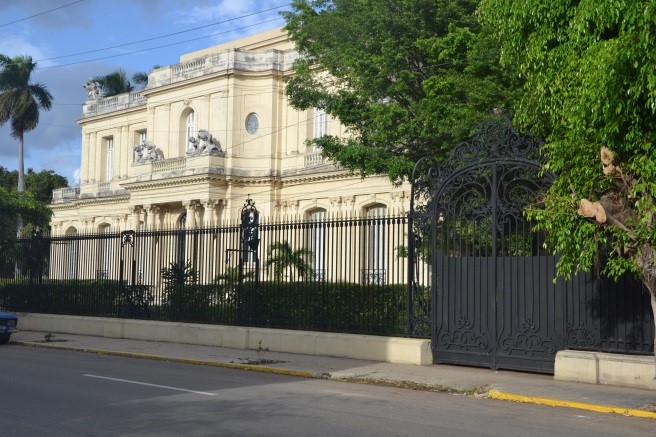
(604, 368)
(364, 347)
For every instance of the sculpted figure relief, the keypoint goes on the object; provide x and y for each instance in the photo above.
(93, 89)
(205, 143)
(146, 152)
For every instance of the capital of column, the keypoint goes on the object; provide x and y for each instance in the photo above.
(209, 203)
(153, 209)
(190, 205)
(135, 209)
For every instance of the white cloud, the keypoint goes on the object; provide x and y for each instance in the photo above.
(221, 11)
(14, 45)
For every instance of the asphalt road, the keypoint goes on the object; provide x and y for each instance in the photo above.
(49, 392)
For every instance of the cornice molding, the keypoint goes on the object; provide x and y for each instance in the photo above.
(90, 201)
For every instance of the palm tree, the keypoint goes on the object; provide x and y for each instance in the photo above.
(281, 256)
(20, 102)
(141, 77)
(114, 83)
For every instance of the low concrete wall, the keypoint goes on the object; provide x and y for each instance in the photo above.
(605, 368)
(365, 347)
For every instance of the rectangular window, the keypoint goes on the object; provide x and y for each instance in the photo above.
(320, 122)
(109, 170)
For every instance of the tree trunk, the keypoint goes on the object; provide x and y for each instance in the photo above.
(653, 313)
(646, 260)
(21, 182)
(21, 165)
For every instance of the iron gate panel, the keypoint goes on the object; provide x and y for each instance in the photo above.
(493, 301)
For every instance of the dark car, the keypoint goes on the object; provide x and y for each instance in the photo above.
(8, 323)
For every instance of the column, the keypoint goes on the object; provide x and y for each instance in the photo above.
(190, 206)
(209, 212)
(154, 216)
(146, 216)
(349, 203)
(134, 211)
(335, 205)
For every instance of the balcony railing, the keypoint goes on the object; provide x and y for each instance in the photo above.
(114, 103)
(233, 59)
(65, 194)
(169, 164)
(314, 159)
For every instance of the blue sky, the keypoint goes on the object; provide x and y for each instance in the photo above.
(72, 40)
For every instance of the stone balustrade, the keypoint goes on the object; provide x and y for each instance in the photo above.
(314, 159)
(233, 59)
(113, 103)
(66, 194)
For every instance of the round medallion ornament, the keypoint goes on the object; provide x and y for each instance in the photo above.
(252, 123)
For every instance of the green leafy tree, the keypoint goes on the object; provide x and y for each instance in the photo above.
(114, 83)
(12, 204)
(407, 78)
(39, 184)
(281, 256)
(21, 102)
(8, 178)
(590, 90)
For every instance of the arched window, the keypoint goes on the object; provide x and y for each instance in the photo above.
(191, 128)
(187, 129)
(375, 245)
(317, 242)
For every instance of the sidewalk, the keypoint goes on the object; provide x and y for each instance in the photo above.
(506, 385)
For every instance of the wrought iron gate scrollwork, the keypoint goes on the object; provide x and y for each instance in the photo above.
(464, 337)
(492, 301)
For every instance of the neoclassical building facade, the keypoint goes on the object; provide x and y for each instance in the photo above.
(202, 137)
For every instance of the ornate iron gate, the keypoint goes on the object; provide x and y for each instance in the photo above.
(135, 298)
(493, 301)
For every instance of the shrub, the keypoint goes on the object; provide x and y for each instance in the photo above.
(324, 306)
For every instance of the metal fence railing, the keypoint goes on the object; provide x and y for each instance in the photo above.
(337, 275)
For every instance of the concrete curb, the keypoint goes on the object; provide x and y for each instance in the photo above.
(246, 367)
(503, 396)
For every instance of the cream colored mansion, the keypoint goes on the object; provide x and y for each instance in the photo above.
(203, 136)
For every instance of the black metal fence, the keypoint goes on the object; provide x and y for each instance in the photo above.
(329, 275)
(355, 281)
(493, 299)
